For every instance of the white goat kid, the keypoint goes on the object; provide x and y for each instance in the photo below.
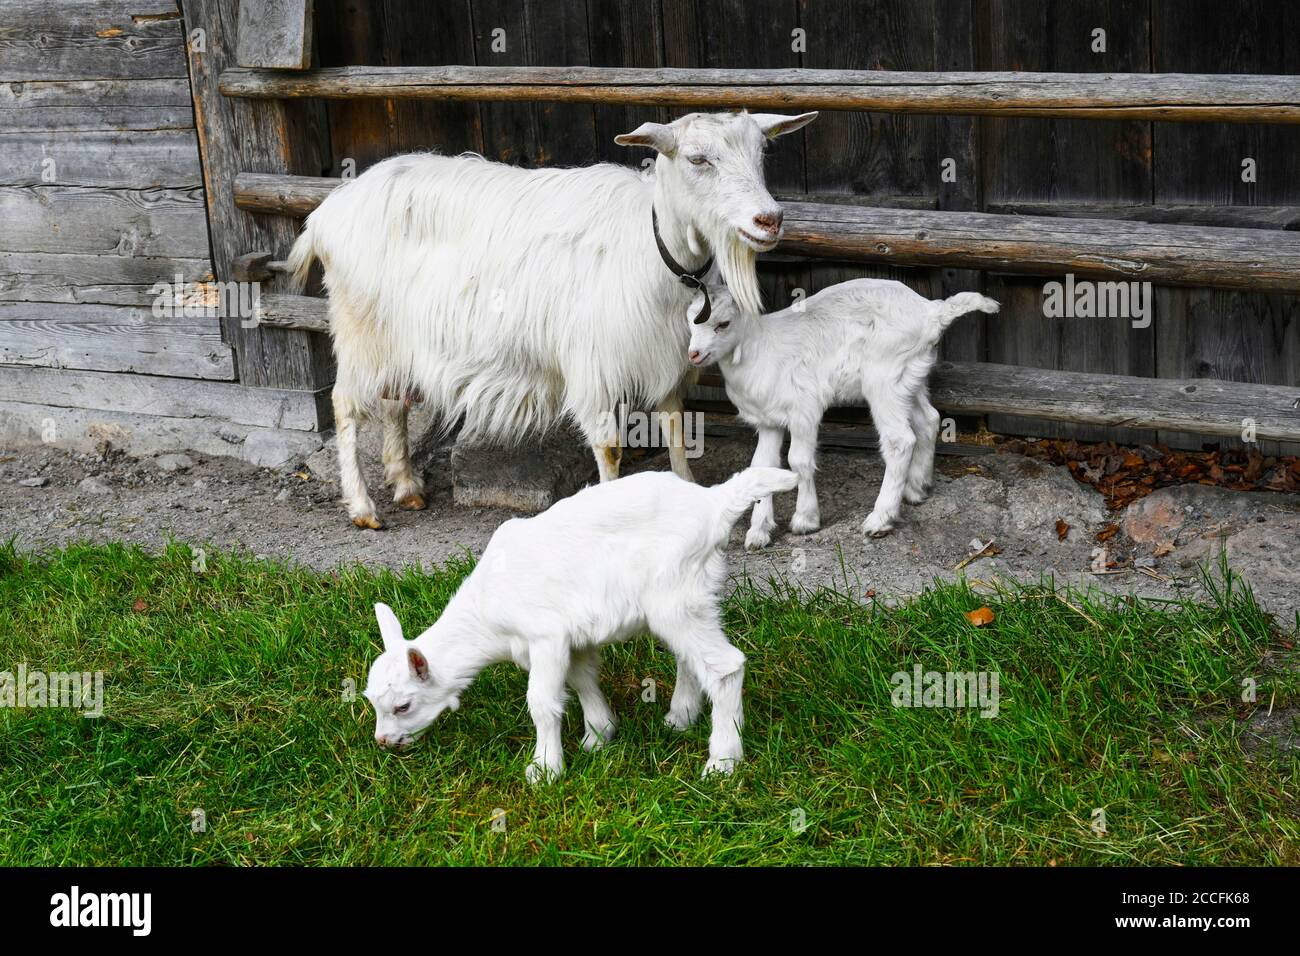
(614, 560)
(871, 339)
(512, 298)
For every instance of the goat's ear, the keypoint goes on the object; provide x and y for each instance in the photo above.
(774, 124)
(419, 664)
(389, 628)
(655, 135)
(694, 308)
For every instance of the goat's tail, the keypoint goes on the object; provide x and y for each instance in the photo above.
(301, 256)
(749, 486)
(954, 307)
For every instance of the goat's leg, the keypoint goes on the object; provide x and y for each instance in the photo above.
(672, 425)
(347, 421)
(891, 414)
(687, 694)
(598, 720)
(408, 487)
(602, 433)
(548, 667)
(767, 454)
(920, 471)
(803, 462)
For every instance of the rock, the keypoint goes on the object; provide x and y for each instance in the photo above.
(39, 481)
(272, 447)
(93, 485)
(323, 463)
(200, 485)
(173, 462)
(1157, 517)
(528, 477)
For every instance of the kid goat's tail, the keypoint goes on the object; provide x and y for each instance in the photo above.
(301, 256)
(751, 485)
(954, 307)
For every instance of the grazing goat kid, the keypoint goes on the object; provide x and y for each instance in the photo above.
(614, 560)
(867, 338)
(511, 299)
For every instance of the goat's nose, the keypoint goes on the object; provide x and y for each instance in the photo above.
(770, 221)
(381, 740)
(694, 355)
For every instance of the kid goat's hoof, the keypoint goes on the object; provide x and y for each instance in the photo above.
(800, 525)
(721, 766)
(679, 721)
(756, 540)
(412, 502)
(368, 523)
(594, 739)
(537, 774)
(875, 527)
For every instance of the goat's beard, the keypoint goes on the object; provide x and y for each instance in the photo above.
(738, 264)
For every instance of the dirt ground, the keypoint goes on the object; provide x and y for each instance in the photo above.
(52, 497)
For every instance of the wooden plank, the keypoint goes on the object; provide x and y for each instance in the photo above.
(163, 223)
(112, 338)
(1246, 335)
(113, 280)
(1171, 97)
(116, 160)
(1204, 406)
(294, 312)
(1189, 255)
(90, 39)
(89, 431)
(168, 397)
(96, 105)
(275, 34)
(261, 137)
(624, 33)
(1233, 217)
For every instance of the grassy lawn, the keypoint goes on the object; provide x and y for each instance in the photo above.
(225, 691)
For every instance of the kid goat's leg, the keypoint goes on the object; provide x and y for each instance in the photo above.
(408, 487)
(672, 424)
(719, 669)
(584, 677)
(766, 455)
(892, 415)
(548, 666)
(803, 462)
(685, 706)
(920, 472)
(347, 421)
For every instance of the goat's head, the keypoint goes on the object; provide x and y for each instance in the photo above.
(719, 334)
(407, 696)
(710, 172)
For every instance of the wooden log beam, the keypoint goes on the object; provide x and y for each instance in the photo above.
(1205, 406)
(1148, 96)
(1028, 245)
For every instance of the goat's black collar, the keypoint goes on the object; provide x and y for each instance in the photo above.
(694, 280)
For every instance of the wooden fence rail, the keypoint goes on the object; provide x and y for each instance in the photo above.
(1030, 245)
(1149, 96)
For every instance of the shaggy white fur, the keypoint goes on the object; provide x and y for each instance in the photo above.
(871, 339)
(510, 298)
(613, 561)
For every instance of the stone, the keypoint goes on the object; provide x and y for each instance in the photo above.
(94, 485)
(173, 462)
(272, 448)
(1157, 517)
(39, 481)
(530, 476)
(322, 464)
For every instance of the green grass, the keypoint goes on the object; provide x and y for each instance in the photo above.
(225, 691)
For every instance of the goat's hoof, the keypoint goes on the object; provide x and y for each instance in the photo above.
(756, 540)
(875, 527)
(799, 525)
(368, 523)
(412, 502)
(915, 496)
(594, 740)
(680, 720)
(537, 774)
(720, 766)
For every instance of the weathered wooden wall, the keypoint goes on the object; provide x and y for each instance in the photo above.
(895, 160)
(101, 197)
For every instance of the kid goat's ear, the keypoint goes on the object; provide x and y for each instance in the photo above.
(419, 665)
(389, 629)
(774, 124)
(655, 135)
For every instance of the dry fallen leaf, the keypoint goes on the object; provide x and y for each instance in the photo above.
(980, 616)
(1108, 532)
(1062, 529)
(1163, 548)
(139, 605)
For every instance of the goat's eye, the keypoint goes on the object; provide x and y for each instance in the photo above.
(698, 160)
(403, 709)
(723, 325)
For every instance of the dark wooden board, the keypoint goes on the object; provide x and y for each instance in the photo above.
(90, 39)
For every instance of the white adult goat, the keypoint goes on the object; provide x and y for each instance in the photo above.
(872, 339)
(614, 560)
(509, 297)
